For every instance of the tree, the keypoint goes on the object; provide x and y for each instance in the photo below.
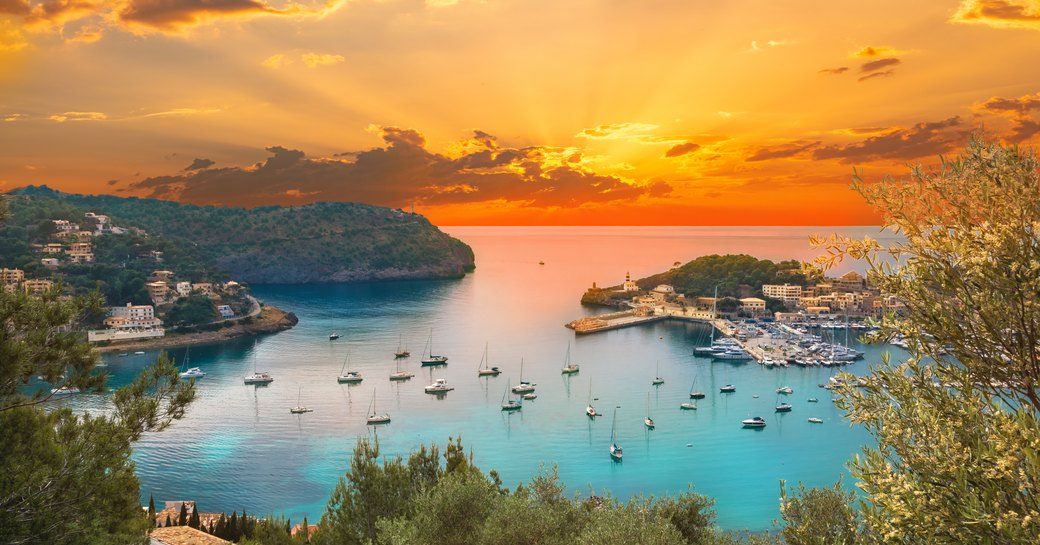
(182, 519)
(68, 478)
(151, 510)
(193, 520)
(820, 516)
(958, 454)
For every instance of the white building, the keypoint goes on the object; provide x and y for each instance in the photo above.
(225, 311)
(788, 293)
(183, 289)
(133, 311)
(629, 284)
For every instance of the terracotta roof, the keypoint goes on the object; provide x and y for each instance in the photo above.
(183, 535)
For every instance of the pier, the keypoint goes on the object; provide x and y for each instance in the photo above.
(646, 315)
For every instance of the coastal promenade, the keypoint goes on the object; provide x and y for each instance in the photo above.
(646, 315)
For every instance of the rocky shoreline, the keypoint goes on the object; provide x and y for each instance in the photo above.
(270, 320)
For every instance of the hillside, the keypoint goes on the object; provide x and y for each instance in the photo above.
(321, 242)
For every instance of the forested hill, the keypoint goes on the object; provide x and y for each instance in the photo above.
(321, 242)
(733, 274)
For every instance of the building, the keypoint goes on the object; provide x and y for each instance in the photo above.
(53, 248)
(36, 286)
(80, 252)
(297, 528)
(225, 311)
(662, 292)
(183, 289)
(102, 223)
(205, 288)
(11, 276)
(50, 262)
(63, 226)
(629, 284)
(788, 293)
(850, 281)
(753, 305)
(157, 291)
(162, 275)
(133, 312)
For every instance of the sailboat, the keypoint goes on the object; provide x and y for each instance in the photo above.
(399, 374)
(258, 377)
(484, 370)
(694, 392)
(648, 421)
(333, 336)
(374, 418)
(568, 367)
(401, 352)
(299, 408)
(346, 375)
(589, 409)
(510, 404)
(190, 372)
(615, 448)
(782, 406)
(657, 376)
(429, 358)
(523, 387)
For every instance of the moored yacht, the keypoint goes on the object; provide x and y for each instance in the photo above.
(755, 422)
(728, 389)
(439, 386)
(259, 377)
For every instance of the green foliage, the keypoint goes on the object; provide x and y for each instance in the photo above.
(820, 516)
(191, 310)
(700, 276)
(958, 455)
(276, 244)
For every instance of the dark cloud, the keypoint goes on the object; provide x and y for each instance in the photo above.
(782, 151)
(402, 171)
(874, 75)
(835, 71)
(113, 182)
(14, 7)
(923, 139)
(199, 164)
(169, 14)
(879, 64)
(679, 150)
(998, 13)
(1021, 105)
(1024, 129)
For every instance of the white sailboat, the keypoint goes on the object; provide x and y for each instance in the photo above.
(299, 408)
(509, 404)
(615, 447)
(401, 352)
(483, 370)
(190, 372)
(258, 377)
(373, 417)
(589, 409)
(694, 392)
(648, 421)
(523, 387)
(429, 358)
(346, 376)
(399, 374)
(657, 376)
(568, 367)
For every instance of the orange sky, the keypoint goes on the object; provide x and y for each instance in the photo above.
(491, 112)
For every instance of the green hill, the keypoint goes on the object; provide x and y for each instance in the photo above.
(321, 242)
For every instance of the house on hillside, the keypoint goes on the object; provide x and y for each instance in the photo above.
(182, 535)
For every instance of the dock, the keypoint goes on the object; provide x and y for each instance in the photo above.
(644, 315)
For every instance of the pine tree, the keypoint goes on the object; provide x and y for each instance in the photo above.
(231, 533)
(151, 510)
(168, 521)
(182, 520)
(193, 521)
(306, 530)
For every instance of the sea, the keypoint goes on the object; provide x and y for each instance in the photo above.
(238, 448)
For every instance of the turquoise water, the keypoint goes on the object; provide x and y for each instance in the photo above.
(240, 448)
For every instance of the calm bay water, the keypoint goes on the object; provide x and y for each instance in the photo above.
(240, 448)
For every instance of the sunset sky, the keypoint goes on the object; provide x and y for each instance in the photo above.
(502, 112)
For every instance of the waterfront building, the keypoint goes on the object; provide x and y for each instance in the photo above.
(788, 293)
(133, 311)
(225, 311)
(753, 305)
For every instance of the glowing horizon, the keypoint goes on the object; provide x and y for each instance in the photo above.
(507, 112)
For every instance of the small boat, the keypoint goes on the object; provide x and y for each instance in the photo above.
(756, 422)
(815, 420)
(401, 375)
(648, 421)
(509, 404)
(428, 357)
(346, 376)
(139, 352)
(65, 391)
(589, 409)
(483, 370)
(373, 417)
(688, 406)
(785, 390)
(657, 376)
(568, 367)
(813, 400)
(123, 354)
(694, 392)
(401, 352)
(783, 408)
(728, 389)
(333, 336)
(439, 386)
(615, 448)
(258, 377)
(530, 396)
(193, 372)
(299, 408)
(524, 387)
